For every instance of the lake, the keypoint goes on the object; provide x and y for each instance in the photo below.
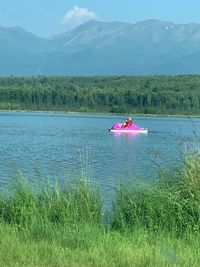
(45, 146)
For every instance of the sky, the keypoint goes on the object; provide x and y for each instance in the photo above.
(48, 17)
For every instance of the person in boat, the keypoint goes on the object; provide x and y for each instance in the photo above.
(127, 123)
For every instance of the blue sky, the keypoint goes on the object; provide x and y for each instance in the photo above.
(48, 17)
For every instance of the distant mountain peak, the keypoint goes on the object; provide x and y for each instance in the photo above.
(16, 28)
(147, 47)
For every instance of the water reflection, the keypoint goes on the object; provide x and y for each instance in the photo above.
(48, 145)
(128, 134)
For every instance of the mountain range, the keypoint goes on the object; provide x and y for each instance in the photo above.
(150, 47)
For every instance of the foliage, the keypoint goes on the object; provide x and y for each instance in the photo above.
(75, 204)
(114, 94)
(149, 225)
(172, 204)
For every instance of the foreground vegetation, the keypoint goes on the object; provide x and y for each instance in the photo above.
(112, 94)
(148, 225)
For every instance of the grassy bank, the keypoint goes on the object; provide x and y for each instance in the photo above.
(89, 245)
(152, 225)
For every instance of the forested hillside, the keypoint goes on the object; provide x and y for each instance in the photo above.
(110, 94)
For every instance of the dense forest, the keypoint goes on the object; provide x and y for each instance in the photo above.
(109, 94)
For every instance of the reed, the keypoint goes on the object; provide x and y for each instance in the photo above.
(71, 205)
(156, 224)
(171, 204)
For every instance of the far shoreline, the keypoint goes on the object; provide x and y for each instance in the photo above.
(101, 113)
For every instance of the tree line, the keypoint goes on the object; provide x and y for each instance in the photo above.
(109, 94)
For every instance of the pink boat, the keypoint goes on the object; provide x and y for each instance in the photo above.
(130, 129)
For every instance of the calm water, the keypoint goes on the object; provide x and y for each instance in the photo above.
(45, 146)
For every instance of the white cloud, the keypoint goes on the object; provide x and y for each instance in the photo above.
(76, 16)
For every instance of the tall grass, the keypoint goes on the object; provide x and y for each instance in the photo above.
(171, 204)
(71, 205)
(157, 224)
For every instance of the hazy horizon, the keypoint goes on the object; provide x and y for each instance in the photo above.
(48, 17)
